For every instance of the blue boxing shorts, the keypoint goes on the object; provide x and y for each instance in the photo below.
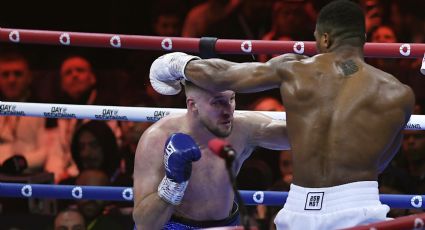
(180, 223)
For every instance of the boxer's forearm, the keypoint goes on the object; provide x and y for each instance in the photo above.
(219, 75)
(152, 212)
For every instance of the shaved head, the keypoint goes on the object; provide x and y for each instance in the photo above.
(190, 89)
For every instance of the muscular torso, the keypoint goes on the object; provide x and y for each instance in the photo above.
(209, 194)
(343, 119)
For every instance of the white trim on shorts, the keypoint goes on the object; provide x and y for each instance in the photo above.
(332, 199)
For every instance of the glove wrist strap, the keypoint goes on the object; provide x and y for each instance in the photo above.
(178, 65)
(171, 192)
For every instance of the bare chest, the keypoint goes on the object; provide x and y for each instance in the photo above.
(208, 174)
(208, 190)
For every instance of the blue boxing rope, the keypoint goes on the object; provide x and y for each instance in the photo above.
(72, 192)
(270, 198)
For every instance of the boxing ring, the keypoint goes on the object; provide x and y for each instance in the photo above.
(206, 47)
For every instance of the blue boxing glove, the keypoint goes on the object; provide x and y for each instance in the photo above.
(179, 153)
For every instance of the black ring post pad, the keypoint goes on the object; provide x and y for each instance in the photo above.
(207, 47)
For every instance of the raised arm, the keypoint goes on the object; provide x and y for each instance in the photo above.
(265, 131)
(218, 74)
(157, 194)
(150, 211)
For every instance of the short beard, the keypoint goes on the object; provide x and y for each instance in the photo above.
(217, 132)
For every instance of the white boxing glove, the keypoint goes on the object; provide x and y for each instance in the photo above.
(168, 70)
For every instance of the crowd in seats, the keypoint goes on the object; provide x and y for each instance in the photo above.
(72, 149)
(22, 136)
(406, 173)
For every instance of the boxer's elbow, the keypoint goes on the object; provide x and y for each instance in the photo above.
(142, 220)
(140, 212)
(151, 212)
(138, 216)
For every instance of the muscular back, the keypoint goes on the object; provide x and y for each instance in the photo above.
(344, 118)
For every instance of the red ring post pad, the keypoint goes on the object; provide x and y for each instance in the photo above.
(169, 44)
(406, 222)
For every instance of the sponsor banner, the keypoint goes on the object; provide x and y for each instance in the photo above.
(110, 114)
(10, 110)
(59, 112)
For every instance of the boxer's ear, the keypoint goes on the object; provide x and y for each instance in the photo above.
(325, 40)
(191, 105)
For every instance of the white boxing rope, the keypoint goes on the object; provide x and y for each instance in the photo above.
(96, 112)
(140, 114)
(92, 112)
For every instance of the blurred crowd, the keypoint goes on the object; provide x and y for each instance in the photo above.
(84, 152)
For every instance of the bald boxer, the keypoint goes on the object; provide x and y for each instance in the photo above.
(344, 117)
(178, 182)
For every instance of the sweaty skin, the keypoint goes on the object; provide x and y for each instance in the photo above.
(344, 116)
(209, 194)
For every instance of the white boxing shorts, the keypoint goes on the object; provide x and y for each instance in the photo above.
(335, 207)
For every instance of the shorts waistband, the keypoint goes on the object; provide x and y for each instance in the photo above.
(331, 199)
(232, 219)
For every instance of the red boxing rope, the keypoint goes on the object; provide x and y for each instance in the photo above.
(415, 222)
(223, 46)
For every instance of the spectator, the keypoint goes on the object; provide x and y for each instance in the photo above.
(397, 67)
(168, 22)
(285, 167)
(373, 14)
(383, 34)
(406, 70)
(94, 146)
(267, 103)
(290, 21)
(396, 18)
(250, 20)
(97, 214)
(283, 183)
(25, 136)
(168, 18)
(78, 86)
(402, 175)
(414, 150)
(131, 133)
(255, 174)
(414, 31)
(78, 81)
(69, 219)
(15, 77)
(202, 17)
